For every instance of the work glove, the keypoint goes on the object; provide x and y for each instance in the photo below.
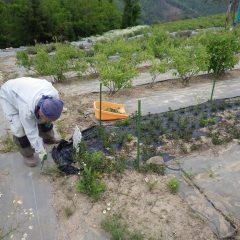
(43, 157)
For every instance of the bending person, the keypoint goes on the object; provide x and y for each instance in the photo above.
(31, 105)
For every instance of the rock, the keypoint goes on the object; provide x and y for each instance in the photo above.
(155, 160)
(204, 139)
(64, 110)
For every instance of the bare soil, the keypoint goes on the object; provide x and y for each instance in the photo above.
(157, 214)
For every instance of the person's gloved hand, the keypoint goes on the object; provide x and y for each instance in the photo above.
(43, 157)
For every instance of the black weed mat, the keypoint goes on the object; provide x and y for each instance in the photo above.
(185, 123)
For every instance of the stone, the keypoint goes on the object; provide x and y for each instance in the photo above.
(155, 160)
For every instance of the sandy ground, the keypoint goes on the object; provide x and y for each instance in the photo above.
(157, 214)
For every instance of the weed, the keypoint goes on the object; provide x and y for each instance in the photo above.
(170, 116)
(120, 164)
(90, 184)
(173, 185)
(53, 171)
(151, 184)
(68, 212)
(233, 131)
(209, 121)
(115, 226)
(216, 139)
(60, 129)
(8, 145)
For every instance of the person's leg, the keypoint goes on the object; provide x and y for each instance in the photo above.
(19, 136)
(46, 132)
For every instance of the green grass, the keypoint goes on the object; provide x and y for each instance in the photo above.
(53, 171)
(118, 230)
(194, 23)
(7, 144)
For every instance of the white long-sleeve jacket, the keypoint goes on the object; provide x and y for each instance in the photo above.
(22, 96)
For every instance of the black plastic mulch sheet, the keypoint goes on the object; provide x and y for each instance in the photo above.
(63, 157)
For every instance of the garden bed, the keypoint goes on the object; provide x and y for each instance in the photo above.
(167, 134)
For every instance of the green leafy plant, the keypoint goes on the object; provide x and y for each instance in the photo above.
(24, 60)
(173, 185)
(117, 74)
(206, 122)
(91, 184)
(222, 48)
(187, 61)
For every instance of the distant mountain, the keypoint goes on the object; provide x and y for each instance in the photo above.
(167, 10)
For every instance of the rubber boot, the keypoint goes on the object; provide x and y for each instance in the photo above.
(46, 132)
(26, 150)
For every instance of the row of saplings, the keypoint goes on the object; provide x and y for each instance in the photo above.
(111, 149)
(117, 62)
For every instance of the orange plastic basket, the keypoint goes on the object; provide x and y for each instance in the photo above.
(110, 111)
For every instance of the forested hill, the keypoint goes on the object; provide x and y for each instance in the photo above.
(167, 10)
(25, 22)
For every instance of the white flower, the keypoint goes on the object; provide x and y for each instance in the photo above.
(84, 164)
(19, 202)
(146, 179)
(108, 208)
(109, 204)
(14, 201)
(104, 211)
(79, 173)
(25, 235)
(30, 227)
(11, 236)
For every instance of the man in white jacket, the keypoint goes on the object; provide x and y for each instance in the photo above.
(31, 105)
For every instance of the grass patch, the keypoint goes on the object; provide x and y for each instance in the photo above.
(53, 171)
(91, 184)
(194, 23)
(7, 144)
(118, 230)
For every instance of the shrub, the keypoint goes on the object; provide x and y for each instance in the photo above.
(189, 61)
(117, 74)
(222, 48)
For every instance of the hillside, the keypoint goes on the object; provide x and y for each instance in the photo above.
(165, 10)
